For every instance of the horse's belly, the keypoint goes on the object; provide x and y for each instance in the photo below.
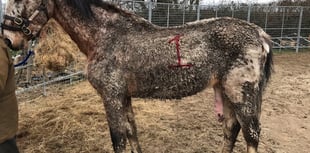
(169, 83)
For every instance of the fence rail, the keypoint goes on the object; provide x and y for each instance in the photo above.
(71, 77)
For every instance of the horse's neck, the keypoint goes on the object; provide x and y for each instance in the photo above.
(86, 34)
(91, 35)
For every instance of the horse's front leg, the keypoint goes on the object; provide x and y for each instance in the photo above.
(113, 90)
(117, 121)
(121, 122)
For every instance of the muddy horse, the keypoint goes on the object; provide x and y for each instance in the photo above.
(130, 57)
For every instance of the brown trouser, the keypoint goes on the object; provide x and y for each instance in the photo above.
(9, 146)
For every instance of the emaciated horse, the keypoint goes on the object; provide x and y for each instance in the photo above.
(130, 57)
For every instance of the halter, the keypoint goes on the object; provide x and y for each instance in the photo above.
(22, 24)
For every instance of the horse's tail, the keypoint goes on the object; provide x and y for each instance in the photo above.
(268, 66)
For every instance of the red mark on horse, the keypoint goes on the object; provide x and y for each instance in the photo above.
(176, 39)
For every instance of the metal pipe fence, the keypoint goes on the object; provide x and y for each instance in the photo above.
(33, 78)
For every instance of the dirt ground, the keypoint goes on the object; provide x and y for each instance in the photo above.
(71, 119)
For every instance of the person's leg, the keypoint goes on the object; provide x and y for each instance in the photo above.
(9, 146)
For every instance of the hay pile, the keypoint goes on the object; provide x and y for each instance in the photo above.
(55, 50)
(71, 124)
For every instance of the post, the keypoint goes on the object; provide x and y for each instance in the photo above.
(282, 26)
(183, 14)
(249, 13)
(44, 83)
(29, 68)
(30, 62)
(299, 29)
(198, 12)
(232, 10)
(266, 21)
(150, 11)
(168, 14)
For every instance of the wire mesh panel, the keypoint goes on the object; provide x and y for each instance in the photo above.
(160, 14)
(139, 7)
(190, 13)
(257, 15)
(208, 11)
(176, 15)
(225, 11)
(241, 12)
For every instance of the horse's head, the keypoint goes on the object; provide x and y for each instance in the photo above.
(23, 20)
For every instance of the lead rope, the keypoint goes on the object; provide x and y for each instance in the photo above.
(30, 52)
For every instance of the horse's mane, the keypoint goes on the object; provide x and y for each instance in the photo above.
(84, 7)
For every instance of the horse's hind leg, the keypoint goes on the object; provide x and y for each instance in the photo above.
(231, 127)
(132, 130)
(241, 87)
(248, 114)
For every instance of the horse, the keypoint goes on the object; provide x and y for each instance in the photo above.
(127, 56)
